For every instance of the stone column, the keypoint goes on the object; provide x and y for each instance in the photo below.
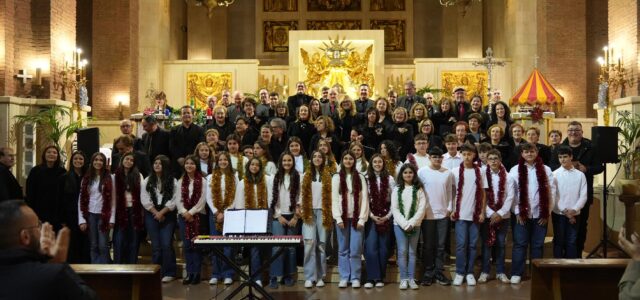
(154, 47)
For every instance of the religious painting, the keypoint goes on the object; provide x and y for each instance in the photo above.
(334, 25)
(280, 5)
(201, 85)
(276, 35)
(333, 5)
(386, 5)
(475, 82)
(394, 33)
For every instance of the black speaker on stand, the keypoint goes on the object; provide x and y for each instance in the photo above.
(605, 146)
(88, 141)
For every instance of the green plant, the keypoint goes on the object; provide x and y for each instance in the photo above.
(429, 89)
(629, 124)
(51, 121)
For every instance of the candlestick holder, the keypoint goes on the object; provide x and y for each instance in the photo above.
(72, 76)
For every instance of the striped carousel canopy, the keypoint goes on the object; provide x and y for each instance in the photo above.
(536, 91)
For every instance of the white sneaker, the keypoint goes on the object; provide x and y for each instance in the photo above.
(368, 285)
(379, 284)
(228, 281)
(471, 280)
(308, 284)
(342, 284)
(516, 279)
(457, 281)
(503, 278)
(483, 277)
(355, 284)
(213, 281)
(404, 284)
(259, 282)
(320, 283)
(168, 279)
(413, 285)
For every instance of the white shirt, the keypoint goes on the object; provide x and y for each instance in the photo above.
(534, 197)
(145, 198)
(238, 203)
(407, 198)
(392, 183)
(451, 162)
(468, 201)
(421, 161)
(199, 206)
(283, 203)
(96, 201)
(316, 192)
(204, 167)
(299, 163)
(270, 169)
(571, 191)
(439, 189)
(234, 162)
(362, 165)
(336, 200)
(509, 192)
(223, 189)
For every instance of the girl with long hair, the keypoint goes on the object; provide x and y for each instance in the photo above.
(350, 210)
(159, 195)
(303, 127)
(129, 213)
(325, 148)
(378, 229)
(325, 131)
(294, 146)
(361, 162)
(69, 192)
(261, 152)
(315, 211)
(96, 206)
(390, 155)
(206, 156)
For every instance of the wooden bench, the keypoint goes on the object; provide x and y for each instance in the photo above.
(122, 281)
(576, 278)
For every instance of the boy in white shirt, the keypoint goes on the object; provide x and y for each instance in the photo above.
(452, 158)
(420, 158)
(483, 151)
(494, 229)
(571, 195)
(438, 183)
(468, 213)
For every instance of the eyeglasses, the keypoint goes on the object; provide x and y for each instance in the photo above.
(35, 226)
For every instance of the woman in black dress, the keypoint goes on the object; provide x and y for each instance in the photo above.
(69, 184)
(42, 183)
(445, 118)
(302, 127)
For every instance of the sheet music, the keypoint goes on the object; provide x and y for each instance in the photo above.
(256, 221)
(234, 222)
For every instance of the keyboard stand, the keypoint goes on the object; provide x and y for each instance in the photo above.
(249, 282)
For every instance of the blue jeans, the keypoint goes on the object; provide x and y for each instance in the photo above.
(219, 269)
(161, 235)
(376, 251)
(565, 236)
(528, 233)
(315, 239)
(501, 236)
(349, 251)
(126, 242)
(407, 244)
(285, 264)
(98, 241)
(434, 235)
(466, 240)
(192, 256)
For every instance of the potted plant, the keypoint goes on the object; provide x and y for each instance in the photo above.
(629, 146)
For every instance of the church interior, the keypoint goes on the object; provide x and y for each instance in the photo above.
(90, 64)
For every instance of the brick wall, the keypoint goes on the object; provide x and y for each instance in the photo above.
(623, 33)
(114, 53)
(63, 30)
(6, 46)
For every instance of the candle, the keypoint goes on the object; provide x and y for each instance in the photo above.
(38, 76)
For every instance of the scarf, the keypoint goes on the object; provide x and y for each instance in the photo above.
(106, 190)
(216, 190)
(412, 209)
(250, 200)
(493, 203)
(380, 204)
(478, 196)
(189, 201)
(122, 217)
(543, 188)
(307, 201)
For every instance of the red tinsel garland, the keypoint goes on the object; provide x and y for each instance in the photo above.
(380, 204)
(294, 190)
(543, 188)
(191, 228)
(344, 192)
(107, 188)
(412, 160)
(122, 218)
(492, 203)
(478, 197)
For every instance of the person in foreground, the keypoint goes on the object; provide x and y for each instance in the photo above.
(32, 258)
(629, 286)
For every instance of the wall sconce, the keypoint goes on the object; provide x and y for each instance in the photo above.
(122, 100)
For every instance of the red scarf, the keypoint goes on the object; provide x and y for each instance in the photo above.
(494, 204)
(380, 203)
(122, 218)
(478, 197)
(344, 192)
(191, 228)
(543, 188)
(106, 189)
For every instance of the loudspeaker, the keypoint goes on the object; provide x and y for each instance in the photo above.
(605, 143)
(88, 141)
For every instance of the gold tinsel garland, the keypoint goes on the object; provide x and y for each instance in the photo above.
(229, 192)
(240, 165)
(391, 167)
(249, 198)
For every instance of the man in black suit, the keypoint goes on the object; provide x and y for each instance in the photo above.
(410, 98)
(124, 145)
(363, 103)
(155, 140)
(293, 102)
(32, 258)
(9, 186)
(460, 106)
(183, 139)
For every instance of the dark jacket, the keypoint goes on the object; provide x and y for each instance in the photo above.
(585, 154)
(26, 275)
(183, 141)
(156, 143)
(10, 189)
(303, 130)
(294, 101)
(42, 189)
(407, 102)
(361, 109)
(78, 241)
(141, 160)
(457, 106)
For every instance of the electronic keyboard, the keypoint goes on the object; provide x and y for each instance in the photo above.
(267, 240)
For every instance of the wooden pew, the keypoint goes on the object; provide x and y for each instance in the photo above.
(122, 281)
(576, 278)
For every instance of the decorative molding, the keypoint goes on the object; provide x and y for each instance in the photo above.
(276, 35)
